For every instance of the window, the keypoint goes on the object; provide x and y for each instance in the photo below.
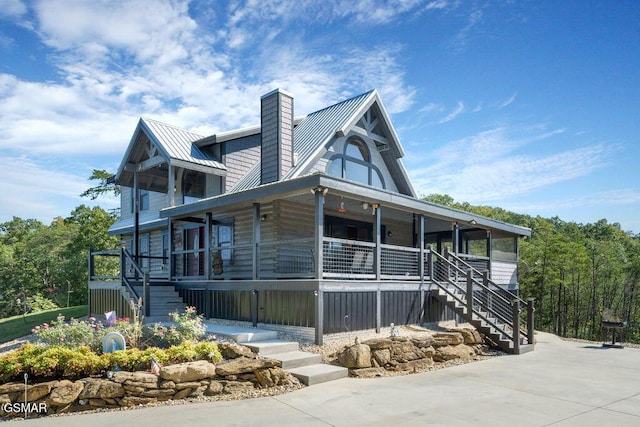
(193, 186)
(143, 199)
(355, 165)
(223, 238)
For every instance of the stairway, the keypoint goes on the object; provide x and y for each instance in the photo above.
(482, 303)
(490, 326)
(164, 299)
(307, 367)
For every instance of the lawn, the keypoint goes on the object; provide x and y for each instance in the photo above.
(18, 326)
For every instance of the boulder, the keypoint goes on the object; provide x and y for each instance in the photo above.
(469, 335)
(378, 343)
(189, 371)
(160, 394)
(65, 393)
(381, 356)
(415, 365)
(368, 372)
(95, 388)
(138, 379)
(356, 357)
(462, 352)
(442, 339)
(215, 387)
(237, 387)
(190, 384)
(272, 377)
(423, 342)
(231, 350)
(38, 391)
(243, 365)
(181, 394)
(136, 400)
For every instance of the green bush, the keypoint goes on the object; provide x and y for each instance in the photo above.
(189, 326)
(55, 362)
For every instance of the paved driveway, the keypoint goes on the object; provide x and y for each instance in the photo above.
(560, 383)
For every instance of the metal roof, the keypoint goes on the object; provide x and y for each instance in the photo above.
(313, 132)
(177, 144)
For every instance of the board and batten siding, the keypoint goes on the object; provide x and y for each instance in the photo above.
(504, 272)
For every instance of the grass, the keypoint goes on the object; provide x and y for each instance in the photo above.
(19, 326)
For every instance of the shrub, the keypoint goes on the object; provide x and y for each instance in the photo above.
(188, 326)
(73, 334)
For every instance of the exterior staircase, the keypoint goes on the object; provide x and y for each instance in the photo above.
(307, 367)
(164, 299)
(492, 310)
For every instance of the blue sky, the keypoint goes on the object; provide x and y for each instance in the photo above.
(532, 106)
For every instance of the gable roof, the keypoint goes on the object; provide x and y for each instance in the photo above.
(312, 134)
(174, 146)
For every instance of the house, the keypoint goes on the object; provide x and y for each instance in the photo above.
(306, 224)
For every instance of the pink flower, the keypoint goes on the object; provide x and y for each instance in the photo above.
(92, 319)
(126, 319)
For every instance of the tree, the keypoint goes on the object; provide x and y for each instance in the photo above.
(105, 186)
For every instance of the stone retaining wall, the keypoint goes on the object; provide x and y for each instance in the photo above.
(373, 357)
(240, 372)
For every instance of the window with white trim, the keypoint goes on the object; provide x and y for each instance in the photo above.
(354, 164)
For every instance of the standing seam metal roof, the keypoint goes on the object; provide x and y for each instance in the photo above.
(312, 131)
(178, 144)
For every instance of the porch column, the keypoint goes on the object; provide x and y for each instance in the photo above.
(171, 185)
(170, 249)
(256, 241)
(319, 232)
(319, 316)
(136, 218)
(489, 249)
(454, 237)
(207, 246)
(421, 243)
(378, 241)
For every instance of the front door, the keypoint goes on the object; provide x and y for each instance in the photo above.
(194, 251)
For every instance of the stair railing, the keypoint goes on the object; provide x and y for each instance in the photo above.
(125, 256)
(490, 306)
(515, 302)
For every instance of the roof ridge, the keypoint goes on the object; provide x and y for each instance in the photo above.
(148, 119)
(362, 95)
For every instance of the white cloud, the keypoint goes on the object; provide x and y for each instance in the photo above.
(487, 167)
(12, 8)
(453, 114)
(33, 190)
(508, 101)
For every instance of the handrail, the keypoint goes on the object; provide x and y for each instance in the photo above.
(494, 298)
(470, 267)
(126, 256)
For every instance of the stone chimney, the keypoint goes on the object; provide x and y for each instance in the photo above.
(276, 120)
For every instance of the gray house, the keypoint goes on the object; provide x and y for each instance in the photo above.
(306, 224)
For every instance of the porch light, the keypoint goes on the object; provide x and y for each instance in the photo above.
(365, 205)
(473, 222)
(342, 209)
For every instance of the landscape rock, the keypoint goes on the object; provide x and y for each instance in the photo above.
(442, 339)
(243, 365)
(231, 350)
(214, 387)
(65, 393)
(272, 377)
(236, 387)
(381, 356)
(138, 379)
(189, 371)
(378, 343)
(356, 357)
(38, 391)
(462, 352)
(368, 372)
(101, 388)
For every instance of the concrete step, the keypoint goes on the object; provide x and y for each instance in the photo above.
(241, 335)
(271, 347)
(297, 359)
(320, 373)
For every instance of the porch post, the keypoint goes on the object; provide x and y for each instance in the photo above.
(319, 316)
(171, 186)
(171, 249)
(489, 249)
(136, 216)
(378, 241)
(256, 241)
(319, 232)
(515, 305)
(421, 243)
(421, 266)
(454, 237)
(530, 320)
(207, 246)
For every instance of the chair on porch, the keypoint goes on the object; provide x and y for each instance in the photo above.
(358, 260)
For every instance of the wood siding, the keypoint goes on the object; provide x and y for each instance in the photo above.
(239, 157)
(504, 273)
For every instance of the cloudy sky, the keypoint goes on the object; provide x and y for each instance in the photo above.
(532, 106)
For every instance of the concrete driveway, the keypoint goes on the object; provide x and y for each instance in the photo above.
(560, 383)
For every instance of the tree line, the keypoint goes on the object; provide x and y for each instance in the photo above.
(576, 273)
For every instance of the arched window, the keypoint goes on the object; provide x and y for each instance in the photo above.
(354, 164)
